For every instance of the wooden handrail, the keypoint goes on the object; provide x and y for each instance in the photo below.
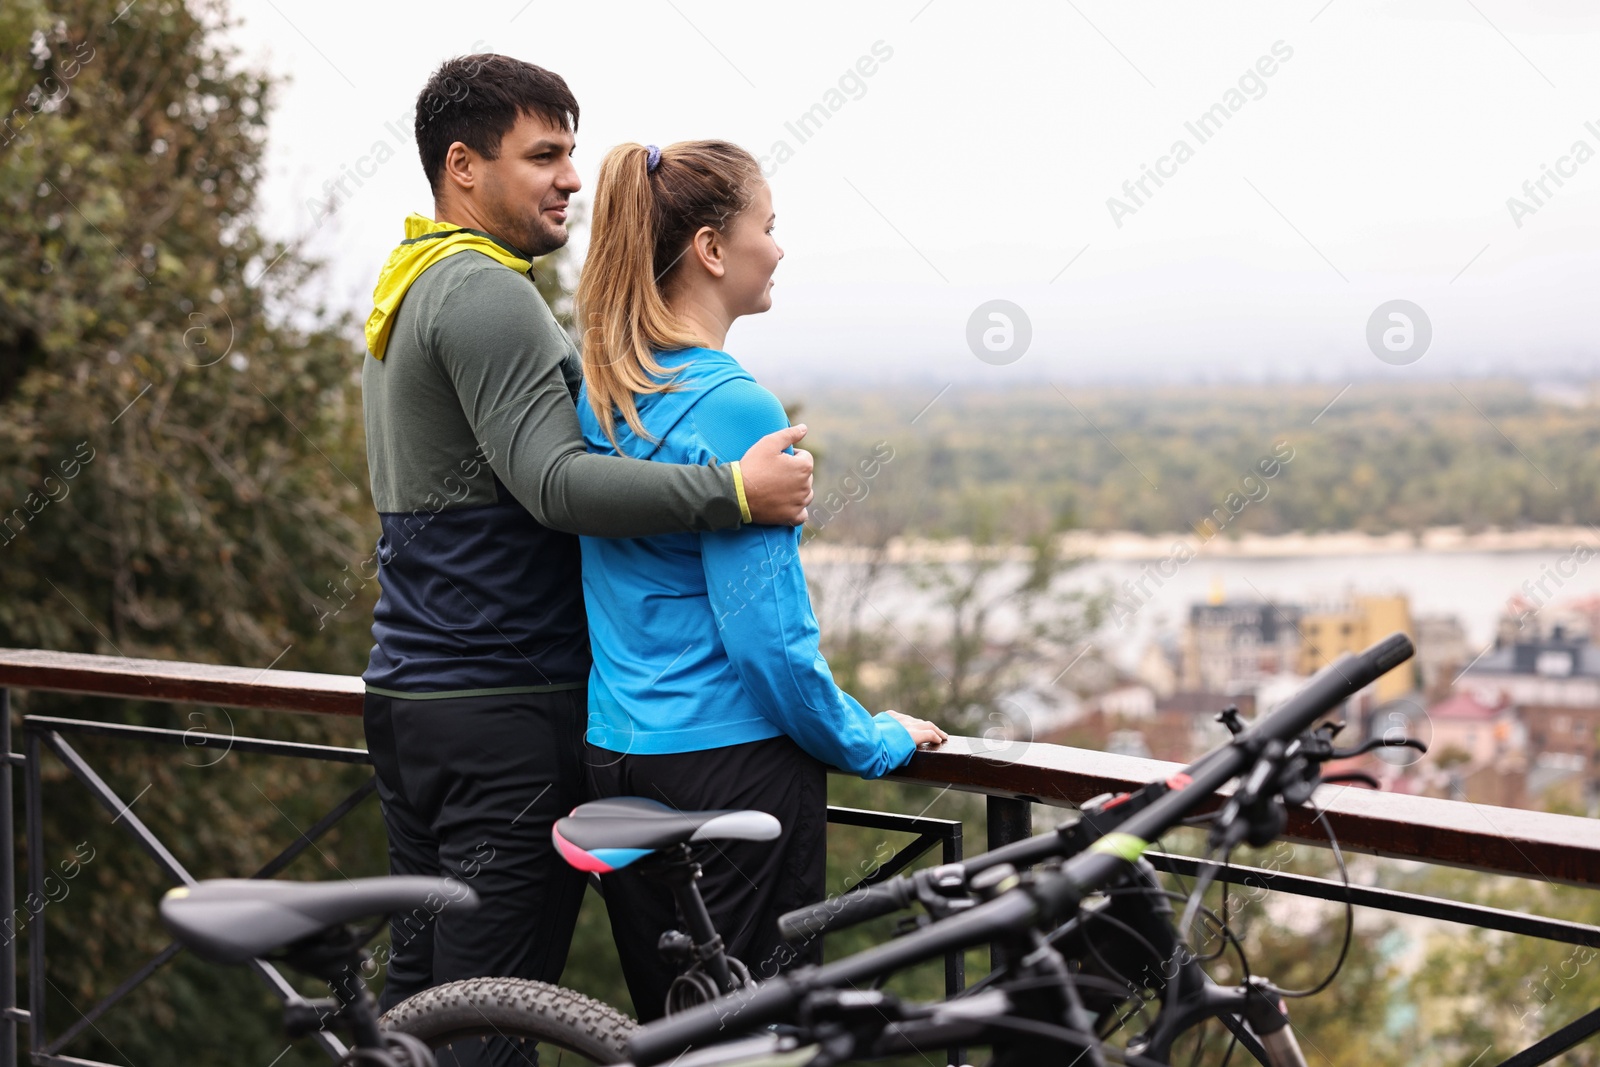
(180, 683)
(1557, 848)
(1481, 837)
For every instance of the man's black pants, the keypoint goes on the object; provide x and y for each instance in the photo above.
(746, 884)
(470, 787)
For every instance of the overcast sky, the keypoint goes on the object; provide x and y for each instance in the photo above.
(977, 160)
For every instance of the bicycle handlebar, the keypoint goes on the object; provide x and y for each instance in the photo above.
(872, 902)
(856, 906)
(1052, 895)
(1350, 673)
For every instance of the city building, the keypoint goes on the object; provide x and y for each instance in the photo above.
(1571, 730)
(1442, 651)
(1327, 635)
(1463, 729)
(1557, 671)
(1231, 646)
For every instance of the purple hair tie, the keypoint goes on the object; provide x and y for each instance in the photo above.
(653, 160)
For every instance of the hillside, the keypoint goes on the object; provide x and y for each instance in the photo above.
(1383, 458)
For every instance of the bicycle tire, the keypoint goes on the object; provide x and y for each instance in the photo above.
(518, 1009)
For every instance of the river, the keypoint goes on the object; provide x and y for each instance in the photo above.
(1473, 586)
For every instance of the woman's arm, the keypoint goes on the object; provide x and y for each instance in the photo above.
(758, 591)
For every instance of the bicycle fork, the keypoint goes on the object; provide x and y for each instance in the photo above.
(1257, 1003)
(1268, 1016)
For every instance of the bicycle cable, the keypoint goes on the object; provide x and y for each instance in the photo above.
(1238, 942)
(1224, 931)
(1349, 914)
(1233, 1043)
(1227, 936)
(1202, 882)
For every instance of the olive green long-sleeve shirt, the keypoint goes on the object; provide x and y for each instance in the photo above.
(480, 478)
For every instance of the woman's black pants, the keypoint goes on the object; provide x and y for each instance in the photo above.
(746, 884)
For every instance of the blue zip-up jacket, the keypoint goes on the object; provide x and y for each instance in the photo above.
(703, 640)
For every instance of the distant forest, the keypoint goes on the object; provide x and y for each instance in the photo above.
(1008, 464)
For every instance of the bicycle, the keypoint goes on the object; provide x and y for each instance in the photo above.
(1056, 995)
(306, 925)
(599, 837)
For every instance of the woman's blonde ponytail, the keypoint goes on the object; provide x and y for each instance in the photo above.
(642, 224)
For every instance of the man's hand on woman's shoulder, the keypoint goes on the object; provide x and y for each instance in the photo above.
(777, 485)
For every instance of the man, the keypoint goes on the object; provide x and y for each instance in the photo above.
(475, 703)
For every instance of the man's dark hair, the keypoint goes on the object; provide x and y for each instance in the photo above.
(477, 99)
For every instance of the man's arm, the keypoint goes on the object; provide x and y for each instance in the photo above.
(501, 349)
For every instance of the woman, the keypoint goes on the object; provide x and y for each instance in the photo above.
(707, 690)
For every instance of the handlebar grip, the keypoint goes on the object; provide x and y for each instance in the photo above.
(1334, 683)
(1388, 654)
(836, 913)
(747, 1010)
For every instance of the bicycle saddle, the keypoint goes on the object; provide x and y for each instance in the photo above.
(607, 835)
(233, 920)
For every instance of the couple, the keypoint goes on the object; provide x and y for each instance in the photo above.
(485, 716)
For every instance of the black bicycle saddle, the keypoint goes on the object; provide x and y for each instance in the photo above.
(233, 920)
(607, 835)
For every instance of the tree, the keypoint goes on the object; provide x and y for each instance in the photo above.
(181, 476)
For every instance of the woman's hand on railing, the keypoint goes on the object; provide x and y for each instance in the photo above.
(922, 731)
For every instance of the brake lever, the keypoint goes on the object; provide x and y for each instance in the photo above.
(1352, 777)
(1376, 743)
(1317, 749)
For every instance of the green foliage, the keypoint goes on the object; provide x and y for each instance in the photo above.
(221, 488)
(1481, 994)
(182, 476)
(1385, 457)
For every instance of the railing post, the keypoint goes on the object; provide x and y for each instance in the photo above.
(1009, 820)
(955, 963)
(33, 791)
(8, 893)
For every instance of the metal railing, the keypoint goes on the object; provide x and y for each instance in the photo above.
(1014, 776)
